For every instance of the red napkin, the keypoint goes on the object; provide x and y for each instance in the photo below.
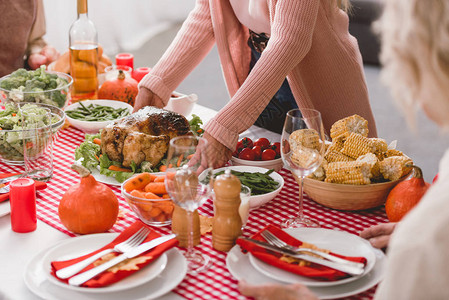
(313, 270)
(39, 185)
(108, 277)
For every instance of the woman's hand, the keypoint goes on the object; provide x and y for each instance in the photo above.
(276, 291)
(217, 153)
(47, 55)
(379, 235)
(146, 97)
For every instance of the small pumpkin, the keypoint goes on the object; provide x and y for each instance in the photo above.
(405, 195)
(121, 88)
(88, 206)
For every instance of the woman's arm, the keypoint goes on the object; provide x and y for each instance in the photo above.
(291, 38)
(38, 51)
(192, 43)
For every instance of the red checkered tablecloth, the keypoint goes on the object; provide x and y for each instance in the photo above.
(217, 282)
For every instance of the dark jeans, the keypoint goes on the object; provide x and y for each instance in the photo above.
(273, 116)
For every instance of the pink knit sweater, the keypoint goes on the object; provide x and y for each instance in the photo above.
(309, 44)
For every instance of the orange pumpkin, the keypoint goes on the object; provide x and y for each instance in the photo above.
(88, 206)
(121, 88)
(405, 195)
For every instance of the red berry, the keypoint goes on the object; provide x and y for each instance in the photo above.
(264, 143)
(257, 152)
(247, 154)
(268, 154)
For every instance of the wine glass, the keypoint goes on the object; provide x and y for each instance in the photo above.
(189, 186)
(37, 134)
(302, 151)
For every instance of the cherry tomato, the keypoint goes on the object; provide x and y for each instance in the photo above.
(247, 142)
(239, 147)
(247, 154)
(257, 152)
(235, 153)
(277, 148)
(264, 143)
(268, 154)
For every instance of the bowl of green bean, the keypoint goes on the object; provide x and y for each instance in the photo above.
(265, 184)
(92, 115)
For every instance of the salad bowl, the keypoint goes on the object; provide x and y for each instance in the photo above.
(39, 86)
(11, 133)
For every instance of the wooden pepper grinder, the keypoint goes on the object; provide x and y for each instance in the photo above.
(180, 226)
(227, 224)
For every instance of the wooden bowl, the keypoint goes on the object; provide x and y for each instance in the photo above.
(347, 196)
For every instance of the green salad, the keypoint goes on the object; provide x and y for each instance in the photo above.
(11, 139)
(37, 86)
(88, 153)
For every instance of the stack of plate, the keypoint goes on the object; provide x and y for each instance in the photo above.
(153, 281)
(255, 271)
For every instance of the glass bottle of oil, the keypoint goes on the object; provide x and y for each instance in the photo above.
(83, 41)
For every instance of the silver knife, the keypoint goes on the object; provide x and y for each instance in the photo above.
(11, 178)
(85, 276)
(351, 270)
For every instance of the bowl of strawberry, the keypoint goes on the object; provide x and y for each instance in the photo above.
(259, 153)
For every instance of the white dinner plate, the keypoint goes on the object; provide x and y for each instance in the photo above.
(82, 245)
(111, 180)
(5, 208)
(336, 241)
(37, 281)
(240, 267)
(105, 179)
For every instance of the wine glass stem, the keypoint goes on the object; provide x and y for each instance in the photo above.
(301, 185)
(190, 237)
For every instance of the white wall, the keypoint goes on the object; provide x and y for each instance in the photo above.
(121, 24)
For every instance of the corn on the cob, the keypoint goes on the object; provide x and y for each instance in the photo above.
(308, 138)
(394, 167)
(354, 123)
(379, 145)
(333, 156)
(320, 172)
(356, 145)
(353, 172)
(305, 157)
(337, 144)
(389, 153)
(334, 147)
(373, 161)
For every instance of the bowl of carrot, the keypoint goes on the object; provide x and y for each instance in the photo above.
(147, 197)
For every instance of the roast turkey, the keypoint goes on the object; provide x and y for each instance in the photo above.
(142, 136)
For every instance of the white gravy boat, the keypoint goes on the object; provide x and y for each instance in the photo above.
(181, 104)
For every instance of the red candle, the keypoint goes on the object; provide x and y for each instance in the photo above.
(22, 198)
(124, 59)
(139, 73)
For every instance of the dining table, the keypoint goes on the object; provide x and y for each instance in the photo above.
(17, 249)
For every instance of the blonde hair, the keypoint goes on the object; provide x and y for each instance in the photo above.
(414, 36)
(345, 5)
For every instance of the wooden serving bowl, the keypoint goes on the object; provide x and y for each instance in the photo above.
(347, 196)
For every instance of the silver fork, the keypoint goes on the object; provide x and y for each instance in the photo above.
(4, 189)
(275, 241)
(133, 241)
